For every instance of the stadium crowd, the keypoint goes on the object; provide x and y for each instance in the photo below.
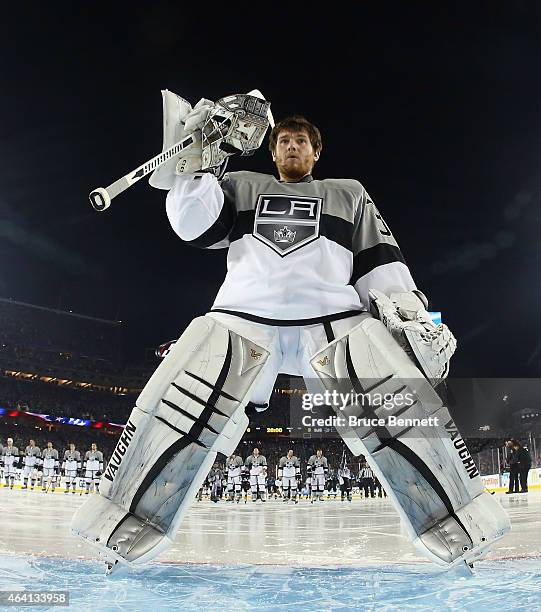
(61, 400)
(47, 329)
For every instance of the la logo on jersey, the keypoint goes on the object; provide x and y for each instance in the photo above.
(286, 223)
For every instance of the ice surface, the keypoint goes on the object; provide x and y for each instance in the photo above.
(496, 585)
(330, 556)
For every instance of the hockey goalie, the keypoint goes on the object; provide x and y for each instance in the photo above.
(317, 287)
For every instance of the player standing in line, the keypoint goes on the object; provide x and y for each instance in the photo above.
(32, 455)
(245, 483)
(233, 466)
(257, 465)
(278, 491)
(344, 478)
(72, 467)
(271, 487)
(308, 486)
(50, 468)
(93, 467)
(289, 470)
(10, 459)
(215, 480)
(318, 469)
(332, 484)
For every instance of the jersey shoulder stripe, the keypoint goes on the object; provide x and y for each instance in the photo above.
(369, 259)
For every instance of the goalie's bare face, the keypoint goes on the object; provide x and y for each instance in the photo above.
(294, 155)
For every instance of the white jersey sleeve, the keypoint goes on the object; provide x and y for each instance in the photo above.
(196, 211)
(378, 262)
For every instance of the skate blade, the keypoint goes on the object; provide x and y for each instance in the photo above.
(461, 570)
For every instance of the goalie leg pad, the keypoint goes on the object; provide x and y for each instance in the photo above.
(426, 470)
(191, 409)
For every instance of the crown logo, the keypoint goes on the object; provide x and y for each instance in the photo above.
(325, 361)
(284, 235)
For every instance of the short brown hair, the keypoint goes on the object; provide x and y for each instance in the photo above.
(296, 123)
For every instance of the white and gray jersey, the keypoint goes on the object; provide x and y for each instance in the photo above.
(72, 457)
(344, 473)
(10, 455)
(326, 237)
(319, 465)
(94, 461)
(215, 476)
(290, 466)
(50, 458)
(255, 464)
(31, 456)
(234, 465)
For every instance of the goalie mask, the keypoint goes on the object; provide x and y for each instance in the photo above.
(237, 125)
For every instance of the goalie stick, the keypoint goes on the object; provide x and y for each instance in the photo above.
(101, 197)
(238, 125)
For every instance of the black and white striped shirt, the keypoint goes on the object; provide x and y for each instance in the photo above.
(366, 472)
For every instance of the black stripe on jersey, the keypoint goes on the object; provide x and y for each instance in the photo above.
(218, 230)
(336, 229)
(378, 255)
(194, 433)
(291, 322)
(333, 228)
(244, 224)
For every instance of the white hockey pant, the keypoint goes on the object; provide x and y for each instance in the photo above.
(10, 470)
(191, 408)
(91, 479)
(318, 485)
(70, 478)
(426, 470)
(29, 473)
(48, 473)
(234, 486)
(9, 473)
(258, 485)
(289, 483)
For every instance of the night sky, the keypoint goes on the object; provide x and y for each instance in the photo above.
(434, 107)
